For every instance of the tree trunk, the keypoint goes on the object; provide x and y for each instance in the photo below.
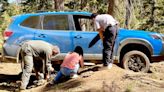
(59, 5)
(128, 13)
(111, 6)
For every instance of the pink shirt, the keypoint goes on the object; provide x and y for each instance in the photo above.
(70, 60)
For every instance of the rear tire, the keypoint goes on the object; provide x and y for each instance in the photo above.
(136, 61)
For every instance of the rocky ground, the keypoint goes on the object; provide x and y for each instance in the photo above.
(92, 79)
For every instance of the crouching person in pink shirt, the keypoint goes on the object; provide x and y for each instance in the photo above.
(72, 62)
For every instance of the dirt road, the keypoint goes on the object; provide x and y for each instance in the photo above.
(93, 79)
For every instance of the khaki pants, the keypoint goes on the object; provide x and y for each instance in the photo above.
(28, 65)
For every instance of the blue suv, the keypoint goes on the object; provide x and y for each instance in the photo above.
(134, 49)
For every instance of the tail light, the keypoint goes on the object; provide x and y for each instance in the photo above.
(7, 34)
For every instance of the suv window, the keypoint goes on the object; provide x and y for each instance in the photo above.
(55, 22)
(32, 22)
(86, 24)
(83, 23)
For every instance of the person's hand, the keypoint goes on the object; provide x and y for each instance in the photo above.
(51, 69)
(48, 75)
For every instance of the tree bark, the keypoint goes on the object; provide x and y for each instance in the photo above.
(111, 6)
(59, 5)
(128, 13)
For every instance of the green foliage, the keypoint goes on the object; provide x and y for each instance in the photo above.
(3, 3)
(96, 6)
(5, 18)
(37, 5)
(145, 14)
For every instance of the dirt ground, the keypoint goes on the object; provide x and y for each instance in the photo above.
(92, 79)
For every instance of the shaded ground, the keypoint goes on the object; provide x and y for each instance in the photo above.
(92, 79)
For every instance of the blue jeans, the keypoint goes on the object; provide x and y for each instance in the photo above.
(66, 72)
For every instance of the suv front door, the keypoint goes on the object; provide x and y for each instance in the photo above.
(83, 36)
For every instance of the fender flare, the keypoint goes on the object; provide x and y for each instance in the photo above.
(134, 41)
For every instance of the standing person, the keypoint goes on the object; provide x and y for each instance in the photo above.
(107, 27)
(71, 63)
(36, 49)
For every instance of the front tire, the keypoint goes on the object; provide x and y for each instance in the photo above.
(136, 61)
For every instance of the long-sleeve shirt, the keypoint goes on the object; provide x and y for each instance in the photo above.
(39, 48)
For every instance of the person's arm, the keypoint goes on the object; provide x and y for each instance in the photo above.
(48, 66)
(81, 61)
(100, 30)
(55, 50)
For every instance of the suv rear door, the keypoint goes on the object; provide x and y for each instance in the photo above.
(56, 30)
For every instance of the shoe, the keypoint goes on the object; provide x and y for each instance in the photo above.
(74, 76)
(50, 84)
(40, 76)
(39, 82)
(22, 88)
(109, 66)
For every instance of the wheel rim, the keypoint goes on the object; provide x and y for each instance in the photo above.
(136, 63)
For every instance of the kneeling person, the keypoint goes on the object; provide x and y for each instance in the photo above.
(72, 62)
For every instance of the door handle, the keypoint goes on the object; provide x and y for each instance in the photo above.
(78, 37)
(42, 36)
